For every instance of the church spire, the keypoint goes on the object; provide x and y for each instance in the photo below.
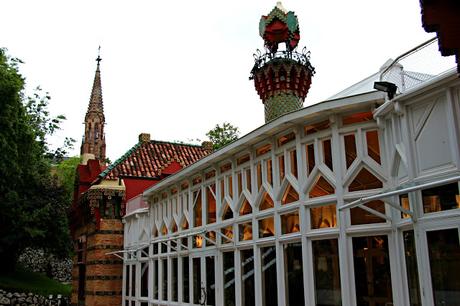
(93, 141)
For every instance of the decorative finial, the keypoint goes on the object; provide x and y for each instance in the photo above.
(98, 59)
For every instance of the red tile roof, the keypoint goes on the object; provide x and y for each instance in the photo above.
(148, 159)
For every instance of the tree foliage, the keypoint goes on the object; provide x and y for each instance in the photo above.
(65, 173)
(33, 205)
(222, 135)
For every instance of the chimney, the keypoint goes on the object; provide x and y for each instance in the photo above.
(144, 137)
(207, 145)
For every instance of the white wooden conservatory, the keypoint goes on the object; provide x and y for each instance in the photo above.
(353, 201)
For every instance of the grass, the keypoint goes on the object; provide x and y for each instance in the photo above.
(25, 281)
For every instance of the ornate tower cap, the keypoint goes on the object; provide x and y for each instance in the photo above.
(279, 26)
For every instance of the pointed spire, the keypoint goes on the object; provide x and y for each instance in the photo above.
(93, 141)
(95, 103)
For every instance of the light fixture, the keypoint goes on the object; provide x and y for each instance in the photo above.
(389, 88)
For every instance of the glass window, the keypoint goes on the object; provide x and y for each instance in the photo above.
(321, 188)
(266, 227)
(144, 279)
(373, 147)
(164, 296)
(127, 278)
(133, 280)
(245, 230)
(313, 128)
(269, 283)
(294, 274)
(290, 223)
(444, 252)
(230, 186)
(361, 216)
(350, 149)
(185, 280)
(211, 203)
(174, 278)
(197, 215)
(247, 275)
(441, 198)
(245, 207)
(290, 195)
(155, 279)
(210, 281)
(293, 162)
(364, 180)
(404, 202)
(248, 180)
(267, 202)
(281, 166)
(259, 175)
(372, 270)
(239, 177)
(326, 272)
(269, 171)
(228, 232)
(411, 268)
(229, 278)
(197, 241)
(327, 154)
(228, 213)
(310, 155)
(196, 280)
(323, 216)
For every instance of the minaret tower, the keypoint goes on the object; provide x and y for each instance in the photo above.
(282, 78)
(93, 141)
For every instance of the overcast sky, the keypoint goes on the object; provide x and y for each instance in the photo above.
(175, 69)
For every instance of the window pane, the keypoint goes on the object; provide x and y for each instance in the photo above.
(373, 147)
(326, 272)
(229, 278)
(127, 278)
(361, 216)
(197, 209)
(196, 280)
(269, 171)
(247, 282)
(228, 232)
(269, 285)
(144, 279)
(364, 180)
(290, 223)
(266, 227)
(411, 268)
(164, 297)
(321, 188)
(210, 281)
(310, 154)
(293, 158)
(444, 251)
(281, 166)
(155, 279)
(245, 230)
(441, 198)
(372, 271)
(174, 279)
(350, 149)
(290, 195)
(133, 280)
(327, 153)
(211, 204)
(404, 202)
(185, 280)
(323, 216)
(294, 274)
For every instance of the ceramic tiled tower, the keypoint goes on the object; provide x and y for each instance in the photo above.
(282, 78)
(93, 141)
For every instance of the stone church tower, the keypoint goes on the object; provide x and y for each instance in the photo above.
(93, 141)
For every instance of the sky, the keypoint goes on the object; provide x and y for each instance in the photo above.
(177, 68)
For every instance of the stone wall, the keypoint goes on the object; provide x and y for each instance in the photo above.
(48, 264)
(30, 299)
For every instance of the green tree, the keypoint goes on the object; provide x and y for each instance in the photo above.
(222, 135)
(33, 205)
(65, 172)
